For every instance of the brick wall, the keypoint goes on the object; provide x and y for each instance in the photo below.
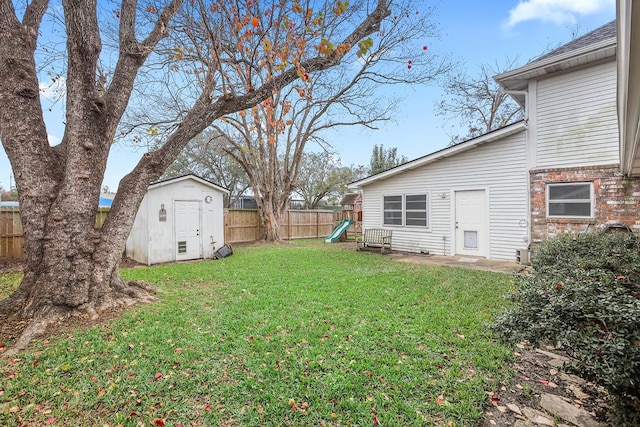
(617, 200)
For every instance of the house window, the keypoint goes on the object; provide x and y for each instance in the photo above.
(416, 210)
(392, 210)
(408, 210)
(573, 200)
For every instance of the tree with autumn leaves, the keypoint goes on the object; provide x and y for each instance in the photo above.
(71, 266)
(269, 140)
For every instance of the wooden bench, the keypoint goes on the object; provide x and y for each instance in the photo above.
(375, 237)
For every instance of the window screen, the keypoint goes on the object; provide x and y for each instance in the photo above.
(416, 210)
(392, 210)
(570, 200)
(409, 210)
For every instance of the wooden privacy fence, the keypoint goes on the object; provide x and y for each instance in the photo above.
(240, 225)
(11, 237)
(244, 225)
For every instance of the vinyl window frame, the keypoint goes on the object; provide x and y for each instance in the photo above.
(569, 201)
(408, 206)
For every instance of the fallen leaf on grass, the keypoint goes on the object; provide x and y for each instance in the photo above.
(440, 400)
(50, 420)
(157, 376)
(157, 422)
(101, 392)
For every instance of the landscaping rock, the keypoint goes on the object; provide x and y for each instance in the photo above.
(577, 392)
(537, 417)
(552, 355)
(571, 378)
(567, 411)
(556, 363)
(514, 408)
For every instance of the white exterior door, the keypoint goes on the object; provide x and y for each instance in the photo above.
(471, 223)
(188, 244)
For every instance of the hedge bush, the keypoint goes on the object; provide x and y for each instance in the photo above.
(583, 294)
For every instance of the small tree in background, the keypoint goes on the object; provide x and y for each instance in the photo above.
(382, 160)
(323, 178)
(478, 102)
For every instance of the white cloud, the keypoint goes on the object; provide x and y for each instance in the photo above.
(53, 90)
(54, 140)
(556, 11)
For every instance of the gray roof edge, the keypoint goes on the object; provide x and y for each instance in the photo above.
(555, 59)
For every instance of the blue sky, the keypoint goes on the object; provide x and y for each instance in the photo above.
(473, 32)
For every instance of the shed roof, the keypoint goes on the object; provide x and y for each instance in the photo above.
(191, 176)
(350, 198)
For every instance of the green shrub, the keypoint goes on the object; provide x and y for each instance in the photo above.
(583, 294)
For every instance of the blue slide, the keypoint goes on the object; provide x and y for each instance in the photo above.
(339, 230)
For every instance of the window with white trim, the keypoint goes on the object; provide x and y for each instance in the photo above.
(570, 200)
(392, 210)
(409, 210)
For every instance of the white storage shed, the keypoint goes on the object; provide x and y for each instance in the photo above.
(179, 219)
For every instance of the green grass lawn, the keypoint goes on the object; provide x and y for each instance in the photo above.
(295, 334)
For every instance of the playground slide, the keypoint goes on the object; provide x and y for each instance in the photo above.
(339, 230)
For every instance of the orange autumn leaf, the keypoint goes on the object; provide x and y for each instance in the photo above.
(157, 422)
(255, 22)
(440, 400)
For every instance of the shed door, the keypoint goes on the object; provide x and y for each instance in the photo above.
(471, 223)
(188, 244)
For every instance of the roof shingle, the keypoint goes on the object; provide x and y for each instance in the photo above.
(605, 32)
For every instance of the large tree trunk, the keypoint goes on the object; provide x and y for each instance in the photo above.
(273, 212)
(75, 278)
(71, 266)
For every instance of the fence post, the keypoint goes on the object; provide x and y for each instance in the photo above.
(288, 224)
